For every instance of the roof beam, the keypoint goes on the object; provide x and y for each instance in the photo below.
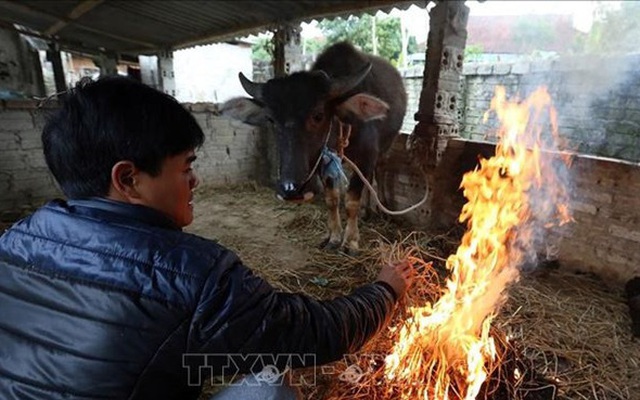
(64, 44)
(79, 10)
(331, 11)
(34, 11)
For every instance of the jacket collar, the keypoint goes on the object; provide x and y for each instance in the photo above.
(102, 207)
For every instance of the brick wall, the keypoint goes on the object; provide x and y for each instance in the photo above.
(233, 152)
(606, 206)
(605, 203)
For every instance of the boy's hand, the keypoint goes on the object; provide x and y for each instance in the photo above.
(399, 276)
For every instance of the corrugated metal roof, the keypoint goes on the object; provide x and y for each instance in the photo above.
(142, 26)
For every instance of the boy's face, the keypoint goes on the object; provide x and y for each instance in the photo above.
(171, 192)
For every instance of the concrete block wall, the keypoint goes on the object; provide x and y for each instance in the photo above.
(400, 183)
(413, 85)
(233, 153)
(605, 203)
(596, 99)
(25, 180)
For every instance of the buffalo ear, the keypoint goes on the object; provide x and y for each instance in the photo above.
(244, 109)
(364, 107)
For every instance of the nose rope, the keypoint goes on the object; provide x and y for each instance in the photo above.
(322, 152)
(343, 138)
(332, 160)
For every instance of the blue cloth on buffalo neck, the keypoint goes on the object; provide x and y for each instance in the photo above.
(332, 167)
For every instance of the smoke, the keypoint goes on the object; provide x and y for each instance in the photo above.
(549, 204)
(576, 89)
(549, 195)
(545, 177)
(592, 76)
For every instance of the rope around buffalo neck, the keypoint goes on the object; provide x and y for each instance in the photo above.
(344, 142)
(375, 195)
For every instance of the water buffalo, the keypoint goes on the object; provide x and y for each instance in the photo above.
(344, 88)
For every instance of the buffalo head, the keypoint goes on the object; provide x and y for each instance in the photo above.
(304, 109)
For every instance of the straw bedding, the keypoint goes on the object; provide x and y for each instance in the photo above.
(569, 335)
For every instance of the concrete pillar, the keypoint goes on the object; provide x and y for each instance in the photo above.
(149, 71)
(437, 115)
(287, 54)
(53, 56)
(166, 74)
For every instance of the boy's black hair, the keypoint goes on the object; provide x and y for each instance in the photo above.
(113, 119)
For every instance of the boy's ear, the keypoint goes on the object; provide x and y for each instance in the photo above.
(123, 180)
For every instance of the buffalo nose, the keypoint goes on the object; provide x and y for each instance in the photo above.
(288, 190)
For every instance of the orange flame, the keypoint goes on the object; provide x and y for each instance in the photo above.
(445, 350)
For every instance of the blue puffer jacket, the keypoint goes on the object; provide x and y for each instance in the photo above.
(103, 300)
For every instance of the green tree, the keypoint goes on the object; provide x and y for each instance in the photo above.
(262, 49)
(472, 52)
(358, 30)
(615, 31)
(314, 46)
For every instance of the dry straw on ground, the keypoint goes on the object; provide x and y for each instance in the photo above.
(569, 335)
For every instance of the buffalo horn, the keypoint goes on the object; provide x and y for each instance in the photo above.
(254, 89)
(340, 86)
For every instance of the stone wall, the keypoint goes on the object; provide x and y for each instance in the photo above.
(233, 153)
(605, 203)
(597, 100)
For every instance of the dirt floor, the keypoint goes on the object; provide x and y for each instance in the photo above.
(252, 222)
(281, 240)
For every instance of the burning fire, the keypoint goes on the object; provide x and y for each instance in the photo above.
(445, 350)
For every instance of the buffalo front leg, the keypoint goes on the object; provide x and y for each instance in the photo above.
(366, 154)
(352, 234)
(332, 198)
